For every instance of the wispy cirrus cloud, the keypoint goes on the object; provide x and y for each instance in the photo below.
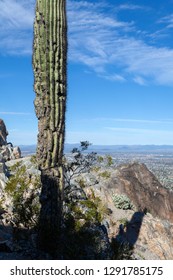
(140, 121)
(14, 113)
(131, 7)
(16, 14)
(122, 136)
(168, 20)
(16, 21)
(113, 77)
(98, 39)
(101, 41)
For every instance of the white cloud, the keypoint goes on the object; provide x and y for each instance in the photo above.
(139, 80)
(143, 121)
(100, 40)
(130, 7)
(16, 21)
(14, 14)
(113, 78)
(97, 39)
(14, 113)
(168, 20)
(136, 130)
(119, 131)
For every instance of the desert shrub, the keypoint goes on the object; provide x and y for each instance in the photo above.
(105, 174)
(122, 250)
(95, 169)
(121, 201)
(86, 210)
(22, 190)
(15, 167)
(34, 159)
(100, 159)
(101, 207)
(124, 222)
(109, 160)
(81, 182)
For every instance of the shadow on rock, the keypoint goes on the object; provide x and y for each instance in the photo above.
(123, 243)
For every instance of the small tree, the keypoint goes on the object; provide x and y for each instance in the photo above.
(79, 163)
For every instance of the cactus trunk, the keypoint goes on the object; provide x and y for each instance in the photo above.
(49, 64)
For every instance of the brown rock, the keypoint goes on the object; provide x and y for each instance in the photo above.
(155, 237)
(150, 234)
(143, 189)
(3, 133)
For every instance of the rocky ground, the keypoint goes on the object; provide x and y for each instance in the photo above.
(135, 232)
(108, 212)
(148, 226)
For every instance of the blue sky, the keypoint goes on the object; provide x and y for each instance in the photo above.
(120, 71)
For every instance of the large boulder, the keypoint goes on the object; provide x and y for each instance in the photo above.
(3, 133)
(7, 151)
(143, 189)
(16, 152)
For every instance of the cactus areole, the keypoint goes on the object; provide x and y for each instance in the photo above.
(49, 65)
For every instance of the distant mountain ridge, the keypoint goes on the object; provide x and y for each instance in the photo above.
(103, 149)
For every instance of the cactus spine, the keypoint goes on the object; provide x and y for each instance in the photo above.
(49, 65)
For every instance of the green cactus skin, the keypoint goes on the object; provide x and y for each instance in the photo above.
(49, 65)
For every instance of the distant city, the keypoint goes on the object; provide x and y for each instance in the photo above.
(158, 159)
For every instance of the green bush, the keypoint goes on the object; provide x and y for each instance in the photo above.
(121, 201)
(82, 182)
(23, 191)
(105, 174)
(100, 159)
(95, 169)
(109, 160)
(124, 222)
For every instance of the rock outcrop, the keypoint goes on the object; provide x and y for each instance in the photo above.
(7, 151)
(92, 225)
(149, 227)
(143, 189)
(3, 133)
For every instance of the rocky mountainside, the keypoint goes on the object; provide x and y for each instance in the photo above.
(109, 213)
(143, 189)
(147, 226)
(90, 210)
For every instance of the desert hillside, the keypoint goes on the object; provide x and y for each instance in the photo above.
(109, 212)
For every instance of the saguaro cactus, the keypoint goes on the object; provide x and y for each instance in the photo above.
(49, 64)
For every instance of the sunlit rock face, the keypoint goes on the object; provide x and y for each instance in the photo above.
(144, 190)
(7, 151)
(149, 226)
(3, 133)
